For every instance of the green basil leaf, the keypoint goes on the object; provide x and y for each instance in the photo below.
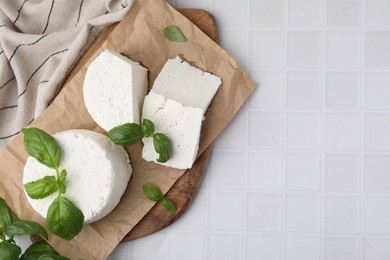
(126, 134)
(7, 216)
(152, 192)
(9, 251)
(51, 257)
(64, 219)
(168, 204)
(147, 127)
(23, 227)
(61, 187)
(62, 176)
(34, 251)
(163, 147)
(41, 188)
(174, 34)
(42, 147)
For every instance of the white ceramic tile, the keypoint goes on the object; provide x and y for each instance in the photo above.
(336, 248)
(377, 90)
(377, 215)
(303, 172)
(302, 248)
(304, 90)
(194, 215)
(265, 130)
(270, 90)
(304, 49)
(267, 50)
(224, 10)
(265, 171)
(343, 13)
(342, 131)
(343, 49)
(232, 136)
(267, 13)
(225, 210)
(264, 212)
(377, 173)
(141, 248)
(183, 245)
(224, 247)
(305, 13)
(342, 172)
(263, 247)
(377, 129)
(235, 43)
(377, 49)
(228, 175)
(377, 13)
(343, 90)
(341, 214)
(303, 213)
(376, 249)
(202, 4)
(304, 130)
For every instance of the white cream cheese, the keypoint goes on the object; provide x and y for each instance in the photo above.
(98, 173)
(114, 90)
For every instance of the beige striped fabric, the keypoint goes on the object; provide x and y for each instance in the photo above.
(40, 41)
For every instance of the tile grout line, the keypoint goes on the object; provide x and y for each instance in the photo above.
(283, 220)
(362, 132)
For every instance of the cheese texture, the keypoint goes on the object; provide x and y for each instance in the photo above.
(182, 125)
(186, 84)
(114, 90)
(98, 173)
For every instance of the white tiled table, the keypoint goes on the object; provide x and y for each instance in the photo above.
(303, 172)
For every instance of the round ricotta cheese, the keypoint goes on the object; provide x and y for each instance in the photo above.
(98, 173)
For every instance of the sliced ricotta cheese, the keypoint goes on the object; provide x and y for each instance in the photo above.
(182, 125)
(98, 173)
(114, 90)
(186, 84)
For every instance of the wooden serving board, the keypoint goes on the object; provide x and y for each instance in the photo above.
(186, 187)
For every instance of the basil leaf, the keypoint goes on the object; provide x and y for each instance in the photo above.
(7, 216)
(52, 257)
(42, 147)
(174, 34)
(41, 188)
(61, 188)
(147, 127)
(64, 219)
(62, 175)
(163, 147)
(23, 227)
(168, 204)
(9, 251)
(34, 251)
(126, 134)
(152, 192)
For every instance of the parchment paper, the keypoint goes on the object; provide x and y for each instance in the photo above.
(139, 37)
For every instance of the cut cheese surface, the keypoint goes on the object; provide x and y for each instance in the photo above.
(182, 124)
(114, 90)
(98, 173)
(180, 81)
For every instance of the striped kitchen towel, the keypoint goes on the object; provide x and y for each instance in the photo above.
(40, 41)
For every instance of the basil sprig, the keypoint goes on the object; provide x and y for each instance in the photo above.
(10, 226)
(63, 218)
(131, 133)
(153, 193)
(174, 34)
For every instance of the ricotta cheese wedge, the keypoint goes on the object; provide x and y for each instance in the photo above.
(182, 125)
(98, 173)
(114, 90)
(180, 81)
